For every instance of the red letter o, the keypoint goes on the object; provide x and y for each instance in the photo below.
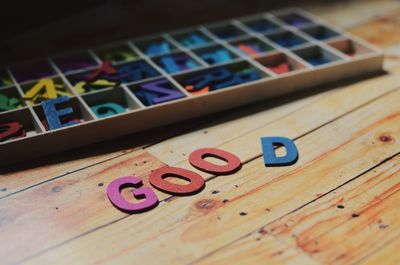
(196, 159)
(157, 180)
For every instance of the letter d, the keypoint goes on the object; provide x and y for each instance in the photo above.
(270, 158)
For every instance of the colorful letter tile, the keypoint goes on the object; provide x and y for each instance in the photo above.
(252, 47)
(107, 109)
(45, 89)
(118, 54)
(295, 20)
(11, 131)
(58, 117)
(158, 180)
(134, 71)
(192, 39)
(175, 63)
(281, 63)
(155, 47)
(109, 75)
(156, 92)
(268, 145)
(218, 78)
(148, 199)
(280, 68)
(261, 25)
(215, 55)
(317, 60)
(287, 39)
(9, 99)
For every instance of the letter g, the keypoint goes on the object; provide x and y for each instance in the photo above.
(114, 195)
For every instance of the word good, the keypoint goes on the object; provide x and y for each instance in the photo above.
(158, 180)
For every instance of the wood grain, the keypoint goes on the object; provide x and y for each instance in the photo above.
(23, 179)
(388, 253)
(322, 111)
(382, 31)
(353, 13)
(348, 137)
(201, 224)
(66, 207)
(224, 136)
(364, 212)
(18, 180)
(224, 129)
(258, 249)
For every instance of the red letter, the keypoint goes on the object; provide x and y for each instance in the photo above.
(196, 159)
(11, 130)
(157, 180)
(106, 67)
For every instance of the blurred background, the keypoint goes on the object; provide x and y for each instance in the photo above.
(32, 29)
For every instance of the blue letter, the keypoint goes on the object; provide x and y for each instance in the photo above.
(270, 158)
(53, 115)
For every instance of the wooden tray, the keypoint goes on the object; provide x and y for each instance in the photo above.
(344, 56)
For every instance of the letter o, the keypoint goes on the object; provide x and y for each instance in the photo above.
(197, 157)
(157, 180)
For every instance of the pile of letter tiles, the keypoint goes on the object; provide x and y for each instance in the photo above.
(132, 75)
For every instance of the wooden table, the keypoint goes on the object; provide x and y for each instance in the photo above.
(340, 203)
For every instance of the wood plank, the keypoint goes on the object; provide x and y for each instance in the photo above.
(362, 236)
(66, 207)
(255, 115)
(348, 14)
(204, 223)
(294, 125)
(168, 152)
(383, 31)
(15, 181)
(319, 228)
(389, 253)
(224, 129)
(12, 182)
(317, 114)
(88, 221)
(258, 249)
(29, 174)
(392, 57)
(379, 25)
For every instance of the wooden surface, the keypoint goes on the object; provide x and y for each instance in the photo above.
(339, 204)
